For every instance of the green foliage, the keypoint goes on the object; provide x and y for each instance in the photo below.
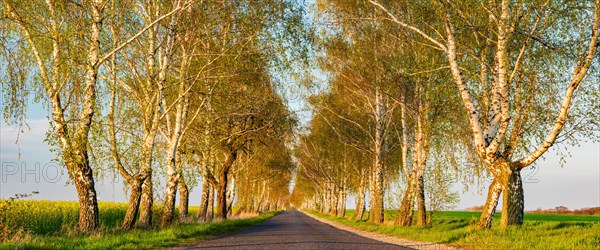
(539, 231)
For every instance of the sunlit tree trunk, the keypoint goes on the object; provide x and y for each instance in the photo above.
(360, 203)
(405, 212)
(230, 197)
(221, 212)
(211, 205)
(145, 219)
(184, 199)
(342, 206)
(326, 199)
(335, 200)
(254, 197)
(169, 205)
(421, 160)
(202, 212)
(88, 205)
(133, 206)
(323, 202)
(267, 206)
(261, 200)
(487, 215)
(376, 211)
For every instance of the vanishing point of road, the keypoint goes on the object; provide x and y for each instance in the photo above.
(291, 230)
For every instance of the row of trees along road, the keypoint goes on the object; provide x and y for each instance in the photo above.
(420, 92)
(416, 84)
(158, 90)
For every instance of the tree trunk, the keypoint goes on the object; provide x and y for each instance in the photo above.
(134, 204)
(230, 200)
(487, 215)
(405, 212)
(230, 197)
(80, 168)
(184, 200)
(376, 201)
(335, 201)
(512, 199)
(221, 212)
(326, 201)
(376, 210)
(202, 212)
(83, 178)
(262, 197)
(342, 206)
(252, 199)
(368, 204)
(322, 198)
(252, 205)
(360, 204)
(145, 220)
(211, 204)
(421, 210)
(420, 156)
(170, 193)
(267, 201)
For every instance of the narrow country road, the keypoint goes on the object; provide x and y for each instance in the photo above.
(291, 230)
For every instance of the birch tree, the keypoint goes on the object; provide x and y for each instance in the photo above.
(356, 57)
(498, 53)
(175, 105)
(65, 44)
(136, 82)
(427, 107)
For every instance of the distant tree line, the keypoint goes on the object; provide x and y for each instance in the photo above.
(565, 210)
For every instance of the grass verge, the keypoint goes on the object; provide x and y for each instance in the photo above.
(456, 228)
(139, 239)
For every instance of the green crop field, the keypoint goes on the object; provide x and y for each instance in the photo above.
(528, 217)
(27, 224)
(539, 231)
(60, 217)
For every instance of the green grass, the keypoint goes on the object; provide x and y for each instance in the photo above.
(51, 225)
(42, 217)
(140, 239)
(527, 217)
(539, 231)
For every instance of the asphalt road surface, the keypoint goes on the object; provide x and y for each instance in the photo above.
(291, 230)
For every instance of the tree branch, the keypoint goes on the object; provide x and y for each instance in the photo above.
(578, 75)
